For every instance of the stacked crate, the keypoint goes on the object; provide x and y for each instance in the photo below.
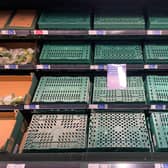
(134, 93)
(118, 132)
(53, 53)
(54, 132)
(118, 53)
(63, 90)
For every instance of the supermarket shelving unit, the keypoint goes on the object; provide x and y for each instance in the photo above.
(82, 159)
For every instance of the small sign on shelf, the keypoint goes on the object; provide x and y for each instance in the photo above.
(116, 76)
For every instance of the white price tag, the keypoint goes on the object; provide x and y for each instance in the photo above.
(46, 66)
(97, 67)
(158, 107)
(4, 32)
(100, 165)
(92, 32)
(93, 67)
(93, 106)
(154, 32)
(8, 32)
(45, 32)
(31, 107)
(97, 32)
(157, 165)
(93, 165)
(15, 166)
(151, 66)
(11, 66)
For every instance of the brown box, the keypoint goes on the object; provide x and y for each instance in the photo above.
(20, 85)
(23, 19)
(25, 45)
(12, 129)
(4, 18)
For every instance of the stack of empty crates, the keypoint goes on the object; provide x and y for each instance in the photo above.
(99, 130)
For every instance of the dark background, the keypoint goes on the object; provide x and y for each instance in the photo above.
(89, 4)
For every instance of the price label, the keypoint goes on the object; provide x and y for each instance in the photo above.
(93, 165)
(11, 32)
(4, 32)
(40, 32)
(100, 32)
(97, 32)
(8, 32)
(102, 106)
(11, 66)
(158, 107)
(46, 66)
(157, 165)
(151, 66)
(116, 76)
(105, 165)
(31, 107)
(15, 166)
(93, 106)
(97, 67)
(154, 32)
(93, 67)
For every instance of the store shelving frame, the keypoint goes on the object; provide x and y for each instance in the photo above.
(81, 159)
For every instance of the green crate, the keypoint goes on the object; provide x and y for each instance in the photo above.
(109, 20)
(118, 53)
(65, 53)
(118, 132)
(64, 20)
(157, 19)
(56, 132)
(159, 128)
(158, 22)
(62, 89)
(134, 93)
(156, 53)
(157, 89)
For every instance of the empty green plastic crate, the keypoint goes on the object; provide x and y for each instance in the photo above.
(108, 20)
(156, 53)
(64, 20)
(159, 128)
(158, 22)
(118, 53)
(56, 132)
(62, 89)
(157, 19)
(134, 93)
(157, 89)
(118, 132)
(65, 53)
